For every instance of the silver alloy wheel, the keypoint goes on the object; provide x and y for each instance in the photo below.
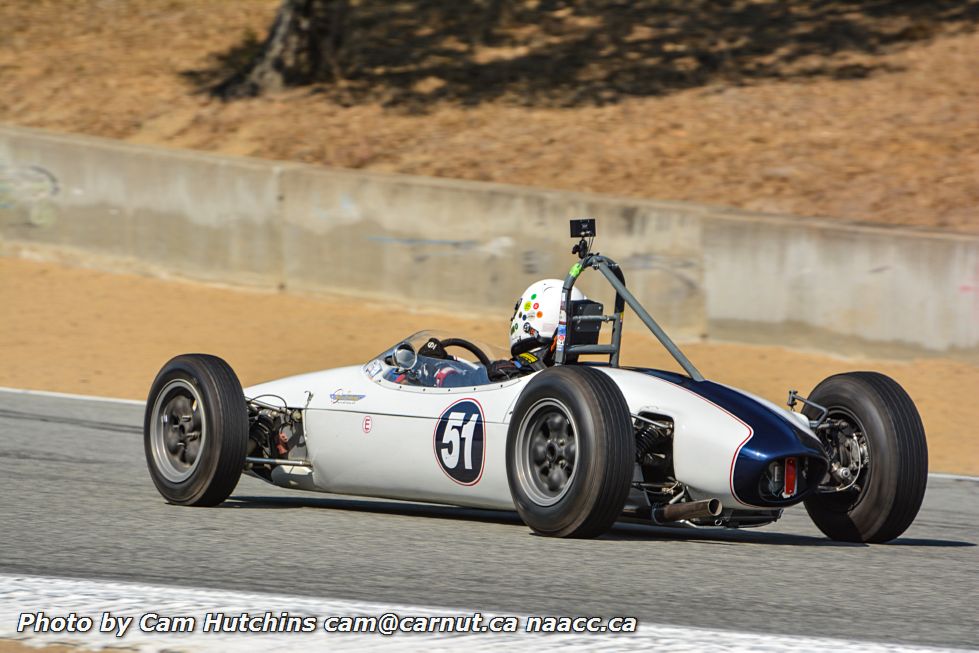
(547, 451)
(179, 430)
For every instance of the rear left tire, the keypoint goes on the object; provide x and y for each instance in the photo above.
(570, 452)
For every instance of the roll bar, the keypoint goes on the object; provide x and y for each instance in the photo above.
(613, 273)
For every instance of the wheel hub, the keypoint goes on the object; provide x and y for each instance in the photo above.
(178, 430)
(849, 458)
(547, 451)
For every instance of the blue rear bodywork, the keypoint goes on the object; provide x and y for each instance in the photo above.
(774, 437)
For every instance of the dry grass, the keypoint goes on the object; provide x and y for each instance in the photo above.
(877, 120)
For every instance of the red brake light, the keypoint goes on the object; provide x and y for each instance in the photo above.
(790, 476)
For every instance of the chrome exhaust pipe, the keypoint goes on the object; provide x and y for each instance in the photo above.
(669, 512)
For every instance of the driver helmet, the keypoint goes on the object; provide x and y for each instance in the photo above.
(537, 314)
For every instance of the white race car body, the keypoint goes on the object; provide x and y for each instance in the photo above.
(569, 443)
(369, 436)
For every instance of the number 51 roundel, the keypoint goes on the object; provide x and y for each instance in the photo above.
(460, 438)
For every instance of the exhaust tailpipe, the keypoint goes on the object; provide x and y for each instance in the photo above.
(690, 510)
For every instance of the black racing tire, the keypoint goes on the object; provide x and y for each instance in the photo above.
(893, 485)
(595, 441)
(195, 430)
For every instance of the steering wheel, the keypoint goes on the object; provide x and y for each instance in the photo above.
(468, 346)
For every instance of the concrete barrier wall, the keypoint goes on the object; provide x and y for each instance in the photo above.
(203, 216)
(883, 286)
(476, 245)
(701, 270)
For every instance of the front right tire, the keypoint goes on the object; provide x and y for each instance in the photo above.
(570, 452)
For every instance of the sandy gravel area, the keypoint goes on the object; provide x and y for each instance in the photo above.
(85, 331)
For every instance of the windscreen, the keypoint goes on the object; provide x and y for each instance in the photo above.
(414, 361)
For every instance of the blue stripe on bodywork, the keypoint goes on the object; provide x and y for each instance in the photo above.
(774, 436)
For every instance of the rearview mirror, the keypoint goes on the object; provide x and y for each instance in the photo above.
(405, 356)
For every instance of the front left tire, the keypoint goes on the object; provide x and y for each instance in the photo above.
(195, 430)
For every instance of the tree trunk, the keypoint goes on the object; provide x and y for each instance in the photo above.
(492, 14)
(303, 46)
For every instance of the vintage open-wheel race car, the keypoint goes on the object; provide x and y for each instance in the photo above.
(572, 445)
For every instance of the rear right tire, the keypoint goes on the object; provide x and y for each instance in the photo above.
(892, 482)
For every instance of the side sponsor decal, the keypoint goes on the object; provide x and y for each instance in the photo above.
(460, 441)
(373, 368)
(339, 396)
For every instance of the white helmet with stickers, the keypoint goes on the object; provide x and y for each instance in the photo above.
(537, 314)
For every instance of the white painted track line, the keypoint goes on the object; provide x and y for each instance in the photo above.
(91, 598)
(64, 395)
(953, 477)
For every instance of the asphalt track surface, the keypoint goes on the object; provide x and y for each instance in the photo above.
(77, 502)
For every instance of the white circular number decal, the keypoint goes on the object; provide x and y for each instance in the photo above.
(459, 442)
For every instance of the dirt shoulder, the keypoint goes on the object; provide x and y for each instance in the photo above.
(827, 109)
(90, 332)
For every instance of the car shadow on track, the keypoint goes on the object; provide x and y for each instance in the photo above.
(639, 531)
(380, 506)
(622, 531)
(915, 541)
